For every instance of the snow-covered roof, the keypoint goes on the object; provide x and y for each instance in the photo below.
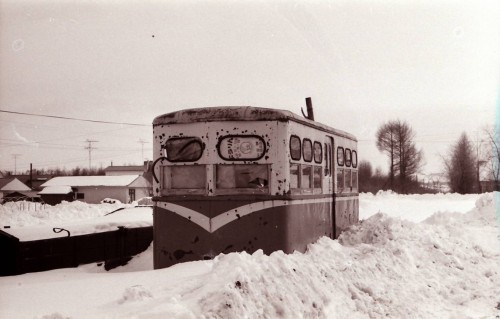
(56, 190)
(80, 181)
(125, 168)
(13, 184)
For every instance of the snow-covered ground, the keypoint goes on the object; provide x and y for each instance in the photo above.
(411, 256)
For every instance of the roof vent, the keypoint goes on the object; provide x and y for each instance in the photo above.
(310, 113)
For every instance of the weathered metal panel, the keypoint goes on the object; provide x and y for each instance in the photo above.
(288, 228)
(240, 113)
(39, 255)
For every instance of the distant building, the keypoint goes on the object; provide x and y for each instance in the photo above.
(13, 189)
(93, 189)
(435, 182)
(34, 181)
(124, 170)
(144, 170)
(490, 186)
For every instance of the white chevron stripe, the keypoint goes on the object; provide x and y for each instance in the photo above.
(197, 218)
(212, 224)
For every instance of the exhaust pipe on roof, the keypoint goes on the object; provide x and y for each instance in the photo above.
(310, 112)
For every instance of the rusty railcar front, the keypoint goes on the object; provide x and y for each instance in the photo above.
(244, 178)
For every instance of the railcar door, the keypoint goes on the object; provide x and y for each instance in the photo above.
(329, 177)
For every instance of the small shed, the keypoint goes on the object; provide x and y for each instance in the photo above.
(93, 189)
(53, 195)
(11, 185)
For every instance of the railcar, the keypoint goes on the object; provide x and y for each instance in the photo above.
(230, 179)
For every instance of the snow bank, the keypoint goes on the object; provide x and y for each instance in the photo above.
(128, 217)
(445, 266)
(414, 207)
(22, 214)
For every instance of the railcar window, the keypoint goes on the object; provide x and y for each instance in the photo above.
(186, 176)
(307, 150)
(348, 158)
(305, 181)
(340, 156)
(294, 176)
(241, 147)
(318, 153)
(242, 176)
(295, 149)
(354, 180)
(354, 159)
(317, 177)
(184, 149)
(348, 179)
(340, 179)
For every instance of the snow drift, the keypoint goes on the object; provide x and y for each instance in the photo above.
(445, 266)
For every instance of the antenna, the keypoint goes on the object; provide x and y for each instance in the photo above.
(142, 148)
(15, 156)
(90, 148)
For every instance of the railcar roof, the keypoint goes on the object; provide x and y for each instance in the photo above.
(239, 113)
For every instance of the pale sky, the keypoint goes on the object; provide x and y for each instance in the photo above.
(435, 64)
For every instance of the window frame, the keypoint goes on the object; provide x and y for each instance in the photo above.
(320, 152)
(354, 156)
(300, 147)
(340, 186)
(166, 181)
(303, 148)
(249, 190)
(346, 161)
(196, 138)
(343, 156)
(221, 138)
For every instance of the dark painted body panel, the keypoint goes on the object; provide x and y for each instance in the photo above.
(286, 228)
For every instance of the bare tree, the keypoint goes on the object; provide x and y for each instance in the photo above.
(461, 166)
(397, 140)
(409, 157)
(493, 156)
(387, 143)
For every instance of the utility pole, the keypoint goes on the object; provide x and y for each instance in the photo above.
(142, 148)
(90, 148)
(15, 156)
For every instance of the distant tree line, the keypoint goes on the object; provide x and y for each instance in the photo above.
(77, 171)
(468, 167)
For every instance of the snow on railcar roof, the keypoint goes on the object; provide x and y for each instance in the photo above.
(239, 113)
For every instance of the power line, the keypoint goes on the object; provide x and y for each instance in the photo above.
(72, 118)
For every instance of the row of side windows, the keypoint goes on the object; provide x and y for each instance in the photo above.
(347, 180)
(305, 149)
(307, 176)
(347, 157)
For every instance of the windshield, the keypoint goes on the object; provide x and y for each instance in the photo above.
(184, 149)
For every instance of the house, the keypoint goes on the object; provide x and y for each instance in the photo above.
(12, 188)
(93, 189)
(124, 170)
(490, 186)
(144, 170)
